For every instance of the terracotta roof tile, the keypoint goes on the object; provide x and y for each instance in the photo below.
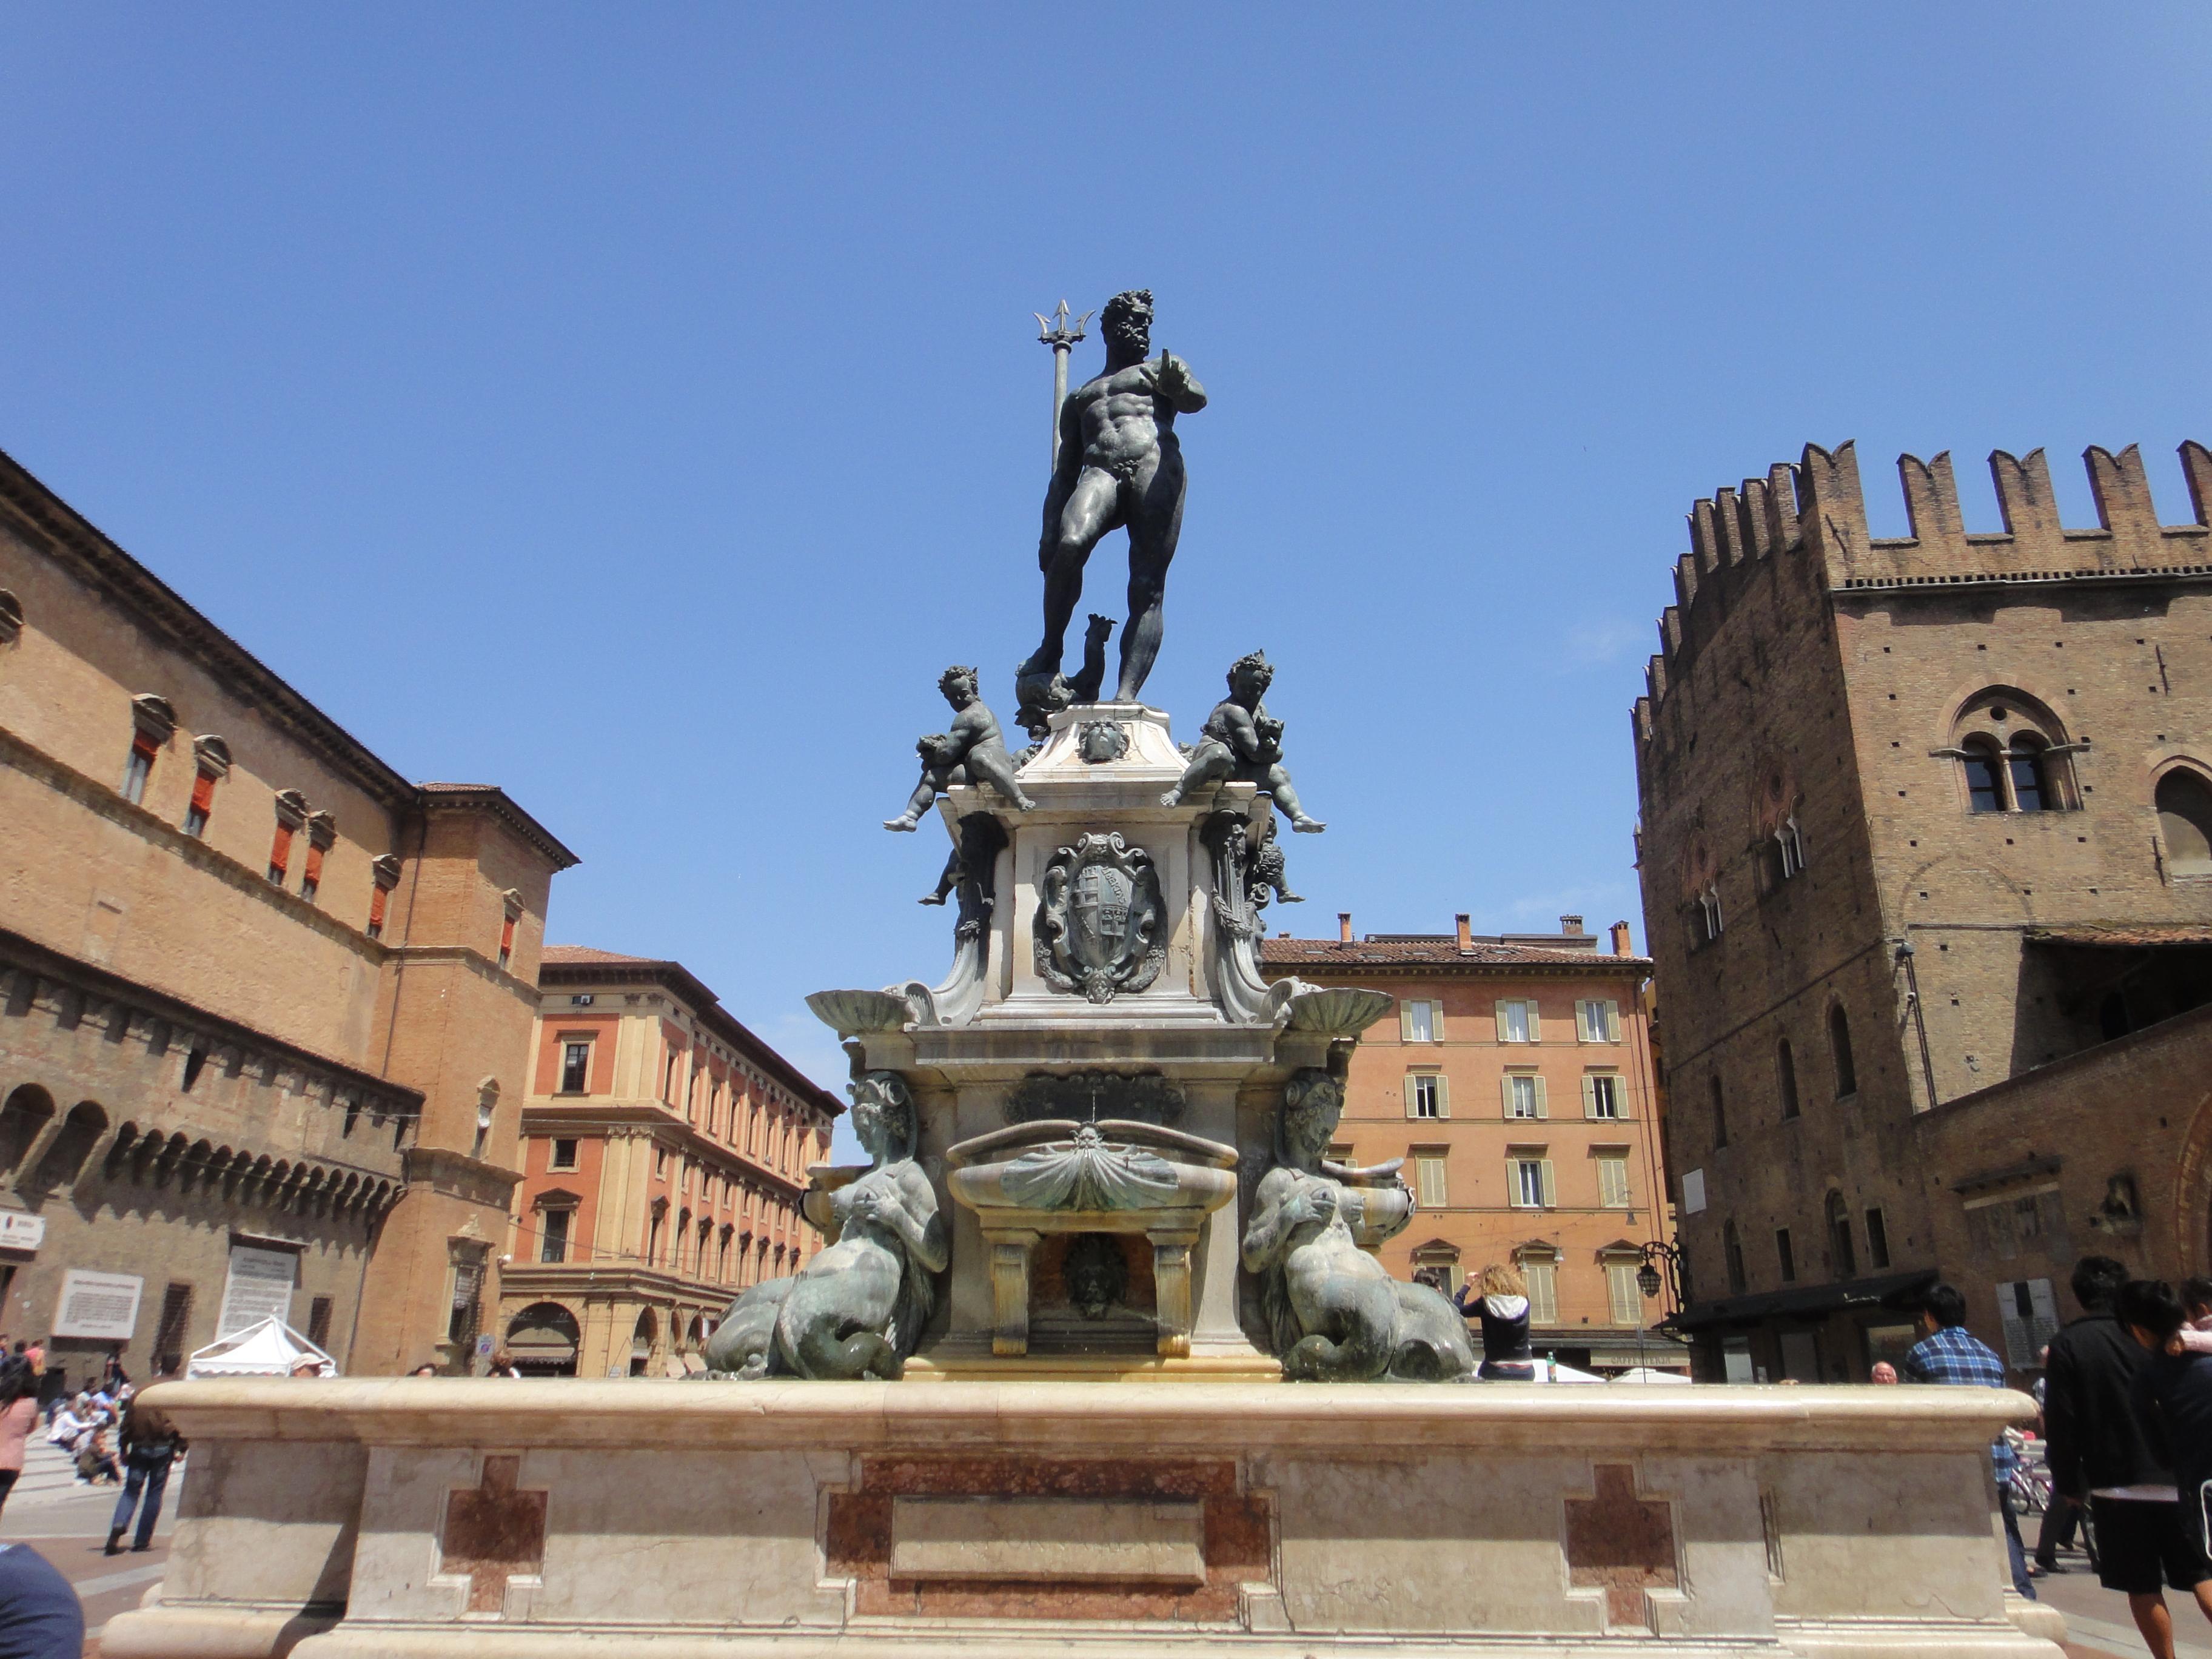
(567, 954)
(1362, 953)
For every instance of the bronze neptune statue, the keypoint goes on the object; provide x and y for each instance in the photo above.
(1119, 466)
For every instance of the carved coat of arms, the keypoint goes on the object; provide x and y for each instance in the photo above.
(1099, 919)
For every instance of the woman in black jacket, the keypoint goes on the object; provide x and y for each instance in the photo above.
(1503, 1307)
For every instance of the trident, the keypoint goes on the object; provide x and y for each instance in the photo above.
(1054, 332)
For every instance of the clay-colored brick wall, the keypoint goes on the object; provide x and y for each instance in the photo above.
(1812, 670)
(121, 888)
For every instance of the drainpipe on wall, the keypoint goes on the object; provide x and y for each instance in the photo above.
(1919, 1021)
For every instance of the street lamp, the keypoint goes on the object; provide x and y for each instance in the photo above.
(1662, 1270)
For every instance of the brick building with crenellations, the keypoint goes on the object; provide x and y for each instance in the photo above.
(665, 1149)
(265, 1004)
(1926, 851)
(1517, 1085)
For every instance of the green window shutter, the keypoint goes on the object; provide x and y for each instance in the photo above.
(1535, 1026)
(1502, 1036)
(1436, 1021)
(1444, 1095)
(1543, 1099)
(1405, 1022)
(1590, 1095)
(1613, 1022)
(1550, 1193)
(1505, 1096)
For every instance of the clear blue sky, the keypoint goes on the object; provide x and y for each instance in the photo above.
(638, 407)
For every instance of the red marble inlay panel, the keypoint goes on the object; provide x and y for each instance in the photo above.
(1621, 1544)
(1238, 1533)
(1011, 1475)
(493, 1533)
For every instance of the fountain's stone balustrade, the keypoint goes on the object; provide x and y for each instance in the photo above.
(521, 1520)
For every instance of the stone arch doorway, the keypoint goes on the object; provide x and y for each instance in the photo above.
(2192, 1194)
(543, 1339)
(642, 1340)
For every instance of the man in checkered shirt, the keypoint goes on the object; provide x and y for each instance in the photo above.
(1951, 1353)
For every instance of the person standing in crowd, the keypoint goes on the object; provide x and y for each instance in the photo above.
(150, 1444)
(19, 1415)
(1951, 1353)
(1503, 1307)
(40, 1617)
(2174, 1397)
(2061, 1522)
(1883, 1371)
(2102, 1455)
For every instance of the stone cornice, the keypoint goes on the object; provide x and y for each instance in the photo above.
(459, 1176)
(534, 1279)
(706, 1006)
(99, 798)
(51, 525)
(597, 1113)
(18, 951)
(494, 801)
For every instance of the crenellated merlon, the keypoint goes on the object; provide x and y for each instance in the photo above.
(1816, 511)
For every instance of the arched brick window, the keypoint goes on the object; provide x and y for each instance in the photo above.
(1840, 1052)
(2012, 754)
(2184, 822)
(1845, 1260)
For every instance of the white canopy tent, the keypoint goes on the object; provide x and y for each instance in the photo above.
(267, 1347)
(1651, 1374)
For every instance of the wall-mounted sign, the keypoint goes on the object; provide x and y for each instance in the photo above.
(103, 1306)
(260, 1284)
(21, 1232)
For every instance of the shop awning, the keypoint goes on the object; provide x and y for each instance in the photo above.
(1805, 1301)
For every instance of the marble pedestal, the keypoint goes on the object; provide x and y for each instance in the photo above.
(434, 1519)
(1199, 1020)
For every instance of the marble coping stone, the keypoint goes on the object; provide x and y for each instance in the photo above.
(1165, 1416)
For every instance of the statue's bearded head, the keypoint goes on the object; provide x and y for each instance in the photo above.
(1127, 323)
(1313, 1105)
(883, 1116)
(1095, 1275)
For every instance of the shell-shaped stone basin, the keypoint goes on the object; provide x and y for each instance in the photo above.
(1117, 1167)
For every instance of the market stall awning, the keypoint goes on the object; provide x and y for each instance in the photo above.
(1806, 1301)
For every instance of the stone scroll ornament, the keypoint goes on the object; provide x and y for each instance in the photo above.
(1100, 919)
(857, 1309)
(1240, 889)
(1333, 1313)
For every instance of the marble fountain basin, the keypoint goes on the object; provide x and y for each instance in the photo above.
(1118, 1175)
